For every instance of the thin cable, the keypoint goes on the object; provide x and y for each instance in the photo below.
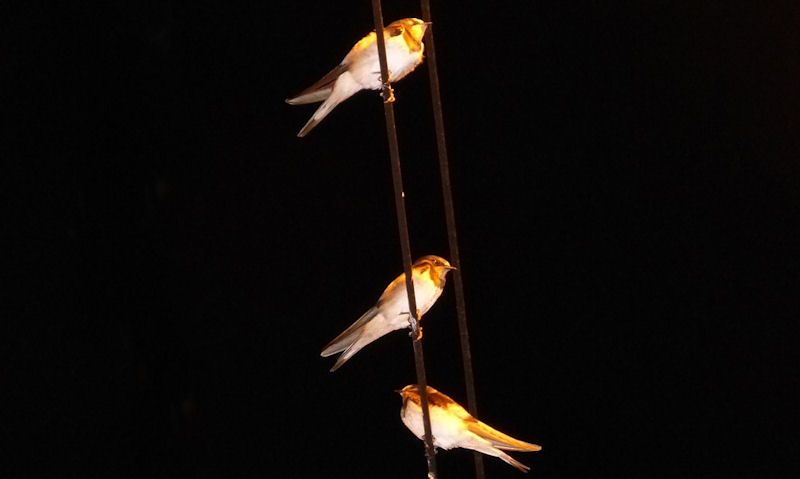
(452, 236)
(405, 244)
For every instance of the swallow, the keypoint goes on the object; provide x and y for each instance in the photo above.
(452, 426)
(392, 310)
(360, 69)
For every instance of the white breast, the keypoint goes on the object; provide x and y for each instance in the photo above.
(447, 430)
(397, 308)
(366, 67)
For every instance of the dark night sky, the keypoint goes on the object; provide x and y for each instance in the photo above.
(627, 187)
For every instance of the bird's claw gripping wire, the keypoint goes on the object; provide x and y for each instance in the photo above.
(388, 93)
(419, 326)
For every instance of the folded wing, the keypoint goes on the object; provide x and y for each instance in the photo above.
(320, 90)
(500, 440)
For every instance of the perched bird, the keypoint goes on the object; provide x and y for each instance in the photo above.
(452, 426)
(392, 310)
(360, 69)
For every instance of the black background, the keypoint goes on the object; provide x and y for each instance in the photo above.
(626, 185)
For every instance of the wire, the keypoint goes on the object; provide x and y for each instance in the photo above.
(452, 236)
(405, 244)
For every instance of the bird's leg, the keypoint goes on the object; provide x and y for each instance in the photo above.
(410, 324)
(433, 440)
(387, 93)
(419, 326)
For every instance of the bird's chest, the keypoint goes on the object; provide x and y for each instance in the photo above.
(399, 60)
(446, 434)
(425, 294)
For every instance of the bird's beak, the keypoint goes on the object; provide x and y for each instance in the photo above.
(428, 23)
(452, 267)
(399, 391)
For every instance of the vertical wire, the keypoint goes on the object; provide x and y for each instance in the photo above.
(405, 244)
(452, 237)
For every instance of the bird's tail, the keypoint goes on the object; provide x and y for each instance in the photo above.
(348, 353)
(343, 89)
(369, 333)
(500, 440)
(371, 326)
(320, 90)
(486, 447)
(311, 97)
(510, 460)
(349, 336)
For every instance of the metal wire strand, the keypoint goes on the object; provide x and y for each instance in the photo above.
(405, 244)
(452, 236)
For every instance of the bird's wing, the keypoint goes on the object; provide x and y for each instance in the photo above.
(349, 335)
(436, 398)
(500, 440)
(497, 438)
(320, 90)
(390, 292)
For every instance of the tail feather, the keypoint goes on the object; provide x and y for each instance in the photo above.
(484, 445)
(311, 97)
(372, 330)
(347, 354)
(510, 460)
(343, 89)
(500, 440)
(349, 336)
(481, 445)
(318, 116)
(320, 90)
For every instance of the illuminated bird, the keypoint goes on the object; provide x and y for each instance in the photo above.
(452, 426)
(360, 69)
(392, 310)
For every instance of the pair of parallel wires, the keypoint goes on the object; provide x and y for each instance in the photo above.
(405, 244)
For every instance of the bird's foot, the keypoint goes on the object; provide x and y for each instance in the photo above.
(387, 94)
(433, 440)
(418, 336)
(411, 322)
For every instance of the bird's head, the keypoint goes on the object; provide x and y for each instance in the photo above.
(413, 26)
(410, 393)
(408, 390)
(438, 266)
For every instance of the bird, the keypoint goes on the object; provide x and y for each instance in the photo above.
(452, 426)
(360, 69)
(392, 309)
